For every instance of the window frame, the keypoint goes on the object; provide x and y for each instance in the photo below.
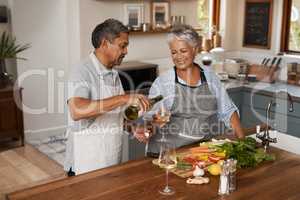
(285, 28)
(216, 14)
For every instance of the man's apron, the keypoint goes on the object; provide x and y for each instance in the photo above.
(193, 115)
(99, 145)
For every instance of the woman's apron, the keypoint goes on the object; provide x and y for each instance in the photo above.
(193, 115)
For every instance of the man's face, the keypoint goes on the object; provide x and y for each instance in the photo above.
(117, 49)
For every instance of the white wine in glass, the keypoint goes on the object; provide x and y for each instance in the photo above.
(161, 118)
(167, 160)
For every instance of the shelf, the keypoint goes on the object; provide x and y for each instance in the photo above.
(149, 32)
(153, 32)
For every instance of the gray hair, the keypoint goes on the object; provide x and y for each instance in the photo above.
(109, 29)
(186, 33)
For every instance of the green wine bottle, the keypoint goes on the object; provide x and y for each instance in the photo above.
(132, 111)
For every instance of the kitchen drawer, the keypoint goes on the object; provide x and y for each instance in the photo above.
(11, 117)
(6, 95)
(280, 122)
(287, 124)
(283, 108)
(253, 116)
(136, 149)
(237, 98)
(256, 100)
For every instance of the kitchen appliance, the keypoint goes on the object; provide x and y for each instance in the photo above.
(234, 66)
(137, 76)
(223, 76)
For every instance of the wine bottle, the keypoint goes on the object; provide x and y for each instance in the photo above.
(132, 112)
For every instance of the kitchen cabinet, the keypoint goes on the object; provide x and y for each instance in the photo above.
(136, 149)
(254, 108)
(236, 96)
(11, 117)
(254, 112)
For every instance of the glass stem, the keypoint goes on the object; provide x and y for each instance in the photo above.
(167, 179)
(163, 134)
(146, 149)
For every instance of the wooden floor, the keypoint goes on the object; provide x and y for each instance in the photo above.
(26, 167)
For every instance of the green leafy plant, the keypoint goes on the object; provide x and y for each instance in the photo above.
(9, 48)
(246, 153)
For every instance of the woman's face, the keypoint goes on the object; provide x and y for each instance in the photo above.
(183, 54)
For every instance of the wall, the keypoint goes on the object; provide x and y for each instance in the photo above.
(233, 35)
(152, 46)
(44, 25)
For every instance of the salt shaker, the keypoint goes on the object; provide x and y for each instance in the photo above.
(232, 174)
(224, 179)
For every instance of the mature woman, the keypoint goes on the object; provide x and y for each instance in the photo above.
(198, 103)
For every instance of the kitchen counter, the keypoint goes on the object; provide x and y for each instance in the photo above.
(263, 88)
(140, 179)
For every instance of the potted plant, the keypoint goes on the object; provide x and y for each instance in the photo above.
(8, 49)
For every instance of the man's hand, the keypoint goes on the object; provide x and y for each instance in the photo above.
(138, 99)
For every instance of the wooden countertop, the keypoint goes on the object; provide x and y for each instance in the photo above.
(279, 180)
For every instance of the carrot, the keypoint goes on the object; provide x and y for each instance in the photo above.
(202, 149)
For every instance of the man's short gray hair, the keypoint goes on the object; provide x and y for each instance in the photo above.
(109, 29)
(186, 33)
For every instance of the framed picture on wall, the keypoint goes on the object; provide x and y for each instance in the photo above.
(258, 24)
(133, 14)
(160, 14)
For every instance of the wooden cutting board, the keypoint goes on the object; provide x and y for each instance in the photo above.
(179, 172)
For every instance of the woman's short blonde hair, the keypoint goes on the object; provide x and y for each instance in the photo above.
(186, 33)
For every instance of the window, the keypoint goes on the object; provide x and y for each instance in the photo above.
(208, 13)
(290, 37)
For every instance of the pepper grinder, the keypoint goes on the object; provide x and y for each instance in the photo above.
(224, 179)
(232, 174)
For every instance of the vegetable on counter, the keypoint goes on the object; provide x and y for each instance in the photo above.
(245, 152)
(213, 153)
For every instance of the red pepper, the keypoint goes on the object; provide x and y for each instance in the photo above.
(213, 158)
(190, 160)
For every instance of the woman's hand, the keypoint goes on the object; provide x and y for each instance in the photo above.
(161, 117)
(142, 132)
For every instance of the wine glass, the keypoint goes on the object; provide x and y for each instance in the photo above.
(161, 118)
(206, 60)
(167, 160)
(148, 130)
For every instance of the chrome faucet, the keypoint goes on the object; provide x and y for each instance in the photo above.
(265, 137)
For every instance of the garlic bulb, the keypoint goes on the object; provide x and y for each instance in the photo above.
(198, 172)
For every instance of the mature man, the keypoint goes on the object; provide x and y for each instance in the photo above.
(95, 98)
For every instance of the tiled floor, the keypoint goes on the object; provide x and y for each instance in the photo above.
(54, 147)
